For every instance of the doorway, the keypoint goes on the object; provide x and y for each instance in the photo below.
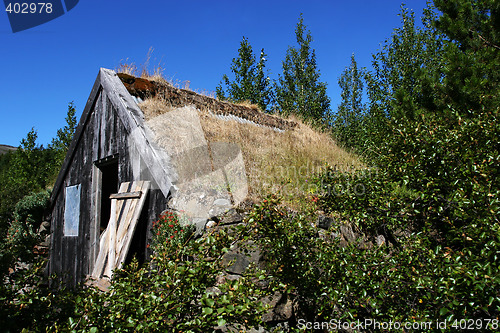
(108, 168)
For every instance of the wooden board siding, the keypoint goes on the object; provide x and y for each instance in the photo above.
(103, 131)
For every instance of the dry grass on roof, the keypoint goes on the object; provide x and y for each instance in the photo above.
(154, 106)
(280, 161)
(274, 161)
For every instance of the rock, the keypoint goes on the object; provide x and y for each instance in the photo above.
(232, 277)
(348, 233)
(325, 222)
(222, 202)
(380, 240)
(281, 308)
(211, 224)
(213, 291)
(237, 262)
(45, 242)
(232, 217)
(44, 227)
(219, 207)
(200, 224)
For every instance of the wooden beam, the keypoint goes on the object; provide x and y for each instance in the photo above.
(126, 195)
(116, 239)
(108, 269)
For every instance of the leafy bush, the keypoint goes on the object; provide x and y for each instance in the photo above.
(415, 281)
(22, 234)
(182, 289)
(177, 291)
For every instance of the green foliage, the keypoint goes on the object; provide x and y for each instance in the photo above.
(29, 172)
(32, 208)
(170, 234)
(299, 90)
(25, 176)
(416, 279)
(471, 72)
(403, 80)
(432, 130)
(64, 136)
(348, 122)
(27, 304)
(31, 165)
(180, 290)
(251, 82)
(433, 193)
(21, 235)
(290, 246)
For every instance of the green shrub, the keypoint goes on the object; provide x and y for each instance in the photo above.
(180, 290)
(417, 281)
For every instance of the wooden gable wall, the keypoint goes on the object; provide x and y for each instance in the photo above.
(101, 134)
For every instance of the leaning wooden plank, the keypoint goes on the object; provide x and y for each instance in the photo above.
(133, 224)
(127, 195)
(112, 240)
(102, 257)
(137, 186)
(125, 237)
(125, 223)
(128, 205)
(117, 211)
(103, 254)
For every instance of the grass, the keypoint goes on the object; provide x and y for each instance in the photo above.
(143, 70)
(282, 162)
(155, 106)
(156, 74)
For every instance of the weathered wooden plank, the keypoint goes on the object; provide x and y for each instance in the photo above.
(110, 129)
(111, 240)
(94, 122)
(84, 243)
(95, 199)
(126, 206)
(95, 188)
(118, 207)
(103, 254)
(131, 229)
(126, 195)
(102, 126)
(56, 238)
(126, 219)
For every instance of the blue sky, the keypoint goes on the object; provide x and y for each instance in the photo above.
(46, 67)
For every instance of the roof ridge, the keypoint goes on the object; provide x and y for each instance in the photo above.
(176, 97)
